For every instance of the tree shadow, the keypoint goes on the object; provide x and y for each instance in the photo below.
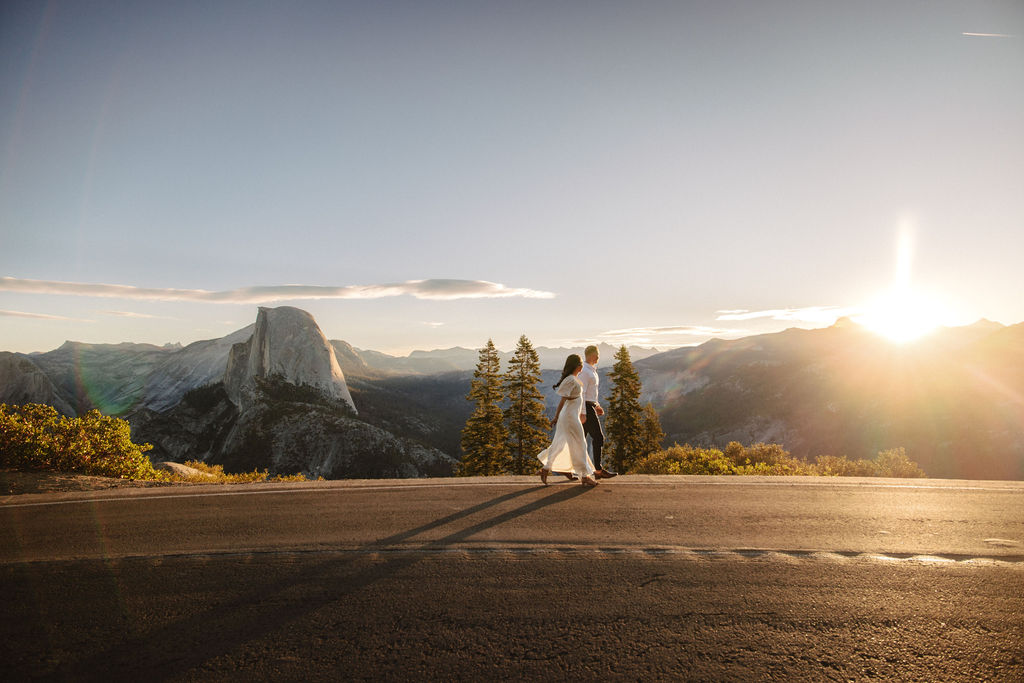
(266, 607)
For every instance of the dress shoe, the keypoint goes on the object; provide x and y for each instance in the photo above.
(605, 474)
(569, 475)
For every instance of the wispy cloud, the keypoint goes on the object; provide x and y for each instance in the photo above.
(42, 316)
(811, 314)
(433, 324)
(987, 35)
(687, 330)
(133, 314)
(420, 289)
(669, 335)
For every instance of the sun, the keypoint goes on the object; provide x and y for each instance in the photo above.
(902, 315)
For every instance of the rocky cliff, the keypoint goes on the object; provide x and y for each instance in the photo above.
(21, 381)
(286, 344)
(281, 403)
(285, 428)
(196, 365)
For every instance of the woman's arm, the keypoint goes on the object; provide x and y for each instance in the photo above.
(558, 411)
(583, 404)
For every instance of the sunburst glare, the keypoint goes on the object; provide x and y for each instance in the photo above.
(903, 314)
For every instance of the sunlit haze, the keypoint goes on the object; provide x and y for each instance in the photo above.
(423, 175)
(902, 313)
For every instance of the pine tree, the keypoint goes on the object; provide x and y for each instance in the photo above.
(484, 447)
(527, 424)
(651, 433)
(624, 413)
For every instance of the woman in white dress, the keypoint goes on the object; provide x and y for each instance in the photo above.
(568, 449)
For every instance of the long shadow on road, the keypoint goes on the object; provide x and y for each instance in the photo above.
(267, 607)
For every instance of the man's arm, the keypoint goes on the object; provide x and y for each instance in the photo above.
(598, 410)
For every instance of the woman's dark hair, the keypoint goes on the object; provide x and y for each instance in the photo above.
(571, 363)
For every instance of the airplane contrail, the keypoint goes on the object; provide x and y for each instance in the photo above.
(988, 35)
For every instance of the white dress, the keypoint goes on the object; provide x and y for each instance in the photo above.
(568, 449)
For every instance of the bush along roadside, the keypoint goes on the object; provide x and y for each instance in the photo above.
(772, 459)
(215, 474)
(37, 437)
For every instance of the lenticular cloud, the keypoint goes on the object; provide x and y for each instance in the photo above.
(420, 289)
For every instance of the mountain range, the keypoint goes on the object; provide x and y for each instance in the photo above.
(954, 399)
(278, 395)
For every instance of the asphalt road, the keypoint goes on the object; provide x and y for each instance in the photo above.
(642, 578)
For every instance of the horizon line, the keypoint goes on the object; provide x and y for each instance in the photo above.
(658, 348)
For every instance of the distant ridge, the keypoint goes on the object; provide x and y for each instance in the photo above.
(458, 358)
(954, 400)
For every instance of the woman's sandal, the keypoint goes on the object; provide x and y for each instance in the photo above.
(588, 481)
(544, 477)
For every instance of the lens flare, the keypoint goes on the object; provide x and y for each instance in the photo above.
(902, 315)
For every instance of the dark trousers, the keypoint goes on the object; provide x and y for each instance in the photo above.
(592, 427)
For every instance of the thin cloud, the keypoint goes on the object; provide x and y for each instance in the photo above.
(667, 336)
(442, 290)
(810, 314)
(41, 316)
(133, 314)
(433, 324)
(987, 35)
(687, 330)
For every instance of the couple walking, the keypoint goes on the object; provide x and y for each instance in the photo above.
(576, 417)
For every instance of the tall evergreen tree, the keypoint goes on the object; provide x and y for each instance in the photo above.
(484, 438)
(527, 424)
(651, 433)
(624, 413)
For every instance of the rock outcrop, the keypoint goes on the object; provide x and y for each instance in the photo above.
(197, 365)
(286, 345)
(284, 429)
(184, 471)
(21, 381)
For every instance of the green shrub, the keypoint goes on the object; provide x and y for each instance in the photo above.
(772, 460)
(895, 463)
(684, 460)
(37, 437)
(764, 459)
(841, 466)
(215, 474)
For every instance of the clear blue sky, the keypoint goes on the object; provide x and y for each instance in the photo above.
(628, 166)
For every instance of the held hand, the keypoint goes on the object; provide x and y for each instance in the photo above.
(583, 418)
(598, 410)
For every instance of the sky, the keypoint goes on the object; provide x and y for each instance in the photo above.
(422, 175)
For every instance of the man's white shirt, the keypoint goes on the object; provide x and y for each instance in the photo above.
(589, 380)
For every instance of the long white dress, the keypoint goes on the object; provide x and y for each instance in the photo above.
(568, 449)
